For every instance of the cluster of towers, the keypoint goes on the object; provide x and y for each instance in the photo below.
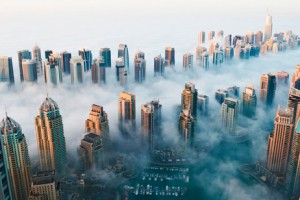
(282, 163)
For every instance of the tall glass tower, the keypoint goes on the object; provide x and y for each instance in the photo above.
(50, 137)
(17, 168)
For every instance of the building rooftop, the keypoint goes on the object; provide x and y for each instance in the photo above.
(8, 126)
(43, 177)
(49, 105)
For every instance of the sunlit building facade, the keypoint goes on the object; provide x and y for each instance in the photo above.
(77, 70)
(6, 70)
(230, 111)
(267, 88)
(127, 112)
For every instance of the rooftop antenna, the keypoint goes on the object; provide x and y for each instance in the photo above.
(5, 108)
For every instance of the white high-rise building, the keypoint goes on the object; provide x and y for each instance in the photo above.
(77, 70)
(268, 27)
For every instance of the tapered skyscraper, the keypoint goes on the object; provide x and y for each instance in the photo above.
(151, 123)
(123, 53)
(268, 27)
(189, 99)
(230, 114)
(6, 70)
(50, 137)
(267, 88)
(249, 102)
(127, 112)
(16, 171)
(279, 143)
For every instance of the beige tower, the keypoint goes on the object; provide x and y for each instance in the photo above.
(50, 137)
(126, 112)
(97, 122)
(280, 141)
(44, 186)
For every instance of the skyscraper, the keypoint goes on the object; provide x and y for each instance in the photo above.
(189, 99)
(296, 78)
(170, 56)
(53, 71)
(218, 57)
(91, 152)
(234, 91)
(15, 155)
(37, 56)
(50, 137)
(250, 37)
(268, 27)
(292, 182)
(230, 108)
(249, 102)
(211, 35)
(24, 54)
(294, 103)
(280, 142)
(203, 101)
(205, 60)
(282, 77)
(258, 38)
(44, 186)
(159, 66)
(121, 71)
(48, 53)
(187, 60)
(5, 183)
(65, 62)
(267, 88)
(186, 126)
(77, 70)
(201, 37)
(228, 40)
(229, 52)
(221, 95)
(99, 71)
(29, 72)
(87, 58)
(97, 122)
(220, 33)
(6, 70)
(126, 107)
(199, 51)
(139, 67)
(123, 53)
(151, 123)
(105, 53)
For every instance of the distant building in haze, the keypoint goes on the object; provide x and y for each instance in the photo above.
(201, 37)
(65, 62)
(187, 60)
(230, 114)
(159, 66)
(249, 102)
(123, 53)
(6, 70)
(53, 70)
(170, 56)
(24, 54)
(97, 122)
(77, 70)
(121, 71)
(98, 71)
(139, 67)
(186, 125)
(267, 88)
(221, 95)
(189, 99)
(203, 101)
(29, 70)
(87, 58)
(37, 56)
(127, 112)
(105, 53)
(268, 27)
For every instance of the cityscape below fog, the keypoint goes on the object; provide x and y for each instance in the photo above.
(241, 132)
